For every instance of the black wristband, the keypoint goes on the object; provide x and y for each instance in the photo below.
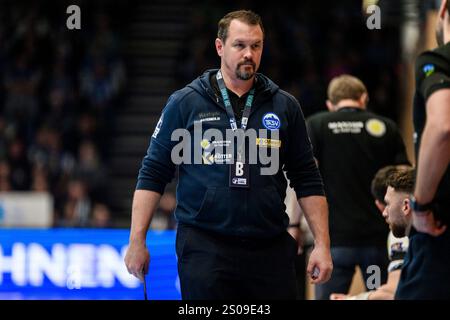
(421, 209)
(294, 225)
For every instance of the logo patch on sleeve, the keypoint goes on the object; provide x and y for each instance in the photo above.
(428, 69)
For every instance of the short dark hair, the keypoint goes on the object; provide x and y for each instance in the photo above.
(246, 16)
(402, 181)
(378, 186)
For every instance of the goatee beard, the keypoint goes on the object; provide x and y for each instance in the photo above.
(245, 75)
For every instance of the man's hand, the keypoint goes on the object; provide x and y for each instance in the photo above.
(320, 265)
(339, 296)
(426, 223)
(137, 260)
(362, 296)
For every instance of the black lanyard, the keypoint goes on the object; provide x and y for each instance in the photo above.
(239, 171)
(230, 112)
(229, 108)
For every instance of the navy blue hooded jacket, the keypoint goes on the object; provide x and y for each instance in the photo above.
(204, 198)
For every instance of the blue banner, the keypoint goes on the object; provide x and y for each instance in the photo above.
(82, 264)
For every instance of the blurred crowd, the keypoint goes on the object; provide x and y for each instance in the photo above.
(58, 89)
(307, 43)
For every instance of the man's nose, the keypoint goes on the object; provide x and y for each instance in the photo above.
(248, 54)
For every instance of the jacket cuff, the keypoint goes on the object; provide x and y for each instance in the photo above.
(150, 185)
(311, 192)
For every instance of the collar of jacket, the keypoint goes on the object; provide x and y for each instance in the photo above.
(203, 86)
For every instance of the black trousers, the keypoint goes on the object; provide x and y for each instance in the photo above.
(218, 267)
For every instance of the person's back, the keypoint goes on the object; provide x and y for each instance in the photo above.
(350, 145)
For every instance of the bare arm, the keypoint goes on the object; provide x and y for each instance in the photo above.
(434, 156)
(384, 292)
(144, 205)
(137, 258)
(387, 290)
(316, 213)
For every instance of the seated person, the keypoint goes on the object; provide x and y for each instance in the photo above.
(397, 213)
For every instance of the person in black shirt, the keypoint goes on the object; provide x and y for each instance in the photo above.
(351, 144)
(426, 272)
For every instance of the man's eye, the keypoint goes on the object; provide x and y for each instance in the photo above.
(239, 45)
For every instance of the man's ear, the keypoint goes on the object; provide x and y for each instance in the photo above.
(406, 207)
(330, 106)
(219, 47)
(442, 9)
(364, 99)
(380, 205)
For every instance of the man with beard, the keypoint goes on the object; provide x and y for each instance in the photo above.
(397, 213)
(426, 272)
(232, 241)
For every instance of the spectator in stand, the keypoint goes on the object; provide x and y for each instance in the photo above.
(40, 181)
(19, 164)
(5, 171)
(90, 169)
(76, 208)
(21, 102)
(101, 216)
(60, 97)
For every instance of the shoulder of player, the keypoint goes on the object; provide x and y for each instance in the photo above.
(442, 51)
(433, 60)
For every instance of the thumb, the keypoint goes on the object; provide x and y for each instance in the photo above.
(140, 276)
(145, 268)
(142, 273)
